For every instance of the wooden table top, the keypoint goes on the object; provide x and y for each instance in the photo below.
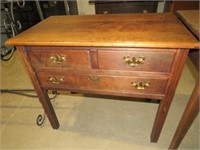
(162, 30)
(191, 20)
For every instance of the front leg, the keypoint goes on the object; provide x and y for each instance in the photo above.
(171, 88)
(48, 108)
(42, 94)
(160, 119)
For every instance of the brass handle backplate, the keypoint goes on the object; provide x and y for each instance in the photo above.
(141, 85)
(56, 80)
(133, 62)
(94, 78)
(58, 58)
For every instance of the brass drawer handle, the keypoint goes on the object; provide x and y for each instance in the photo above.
(94, 78)
(56, 80)
(134, 61)
(141, 85)
(57, 59)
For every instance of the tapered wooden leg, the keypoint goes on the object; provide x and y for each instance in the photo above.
(159, 120)
(46, 103)
(190, 113)
(49, 110)
(166, 102)
(42, 94)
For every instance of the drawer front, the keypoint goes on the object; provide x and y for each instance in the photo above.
(60, 58)
(124, 84)
(111, 83)
(125, 7)
(136, 60)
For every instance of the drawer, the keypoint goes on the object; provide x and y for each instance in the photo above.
(125, 7)
(107, 83)
(63, 58)
(141, 60)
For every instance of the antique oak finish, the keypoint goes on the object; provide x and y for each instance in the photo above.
(136, 55)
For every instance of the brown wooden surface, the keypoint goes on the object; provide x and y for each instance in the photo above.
(111, 83)
(131, 30)
(191, 19)
(42, 94)
(190, 113)
(93, 39)
(184, 5)
(155, 60)
(40, 59)
(170, 91)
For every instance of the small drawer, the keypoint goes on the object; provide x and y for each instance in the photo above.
(136, 60)
(60, 58)
(104, 83)
(124, 7)
(58, 79)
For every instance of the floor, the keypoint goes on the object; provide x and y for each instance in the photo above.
(88, 122)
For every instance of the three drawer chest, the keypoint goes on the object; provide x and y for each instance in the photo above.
(132, 55)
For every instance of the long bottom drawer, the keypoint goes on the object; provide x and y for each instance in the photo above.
(107, 83)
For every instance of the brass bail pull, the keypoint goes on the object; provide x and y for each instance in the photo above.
(141, 85)
(56, 80)
(133, 62)
(58, 58)
(94, 78)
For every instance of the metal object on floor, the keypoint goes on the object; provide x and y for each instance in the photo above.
(41, 117)
(17, 16)
(11, 27)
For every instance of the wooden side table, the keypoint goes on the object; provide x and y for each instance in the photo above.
(132, 55)
(191, 19)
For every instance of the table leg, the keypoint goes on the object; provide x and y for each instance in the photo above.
(45, 101)
(42, 94)
(190, 113)
(159, 120)
(49, 110)
(166, 102)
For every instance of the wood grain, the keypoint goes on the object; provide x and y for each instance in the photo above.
(42, 94)
(111, 83)
(155, 61)
(74, 58)
(190, 113)
(191, 22)
(131, 30)
(95, 46)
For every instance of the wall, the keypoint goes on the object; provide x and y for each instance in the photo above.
(84, 8)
